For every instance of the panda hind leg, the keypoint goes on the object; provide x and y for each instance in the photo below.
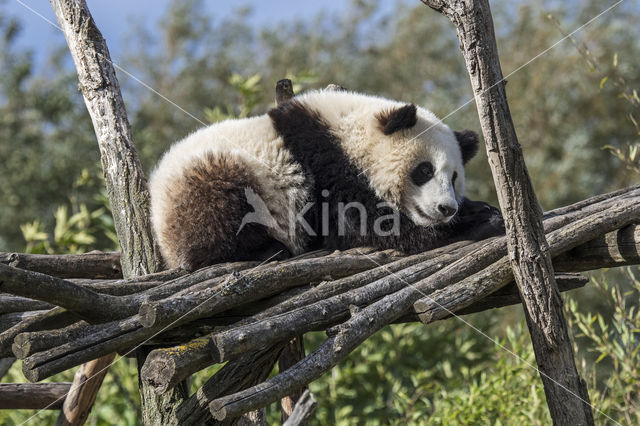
(205, 226)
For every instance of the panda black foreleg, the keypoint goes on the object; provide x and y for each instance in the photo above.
(475, 220)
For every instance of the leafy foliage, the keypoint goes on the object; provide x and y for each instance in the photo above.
(75, 232)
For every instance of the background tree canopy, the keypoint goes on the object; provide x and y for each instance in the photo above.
(567, 106)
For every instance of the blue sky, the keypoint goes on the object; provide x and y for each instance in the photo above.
(114, 16)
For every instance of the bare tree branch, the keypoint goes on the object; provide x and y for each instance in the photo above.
(32, 396)
(88, 265)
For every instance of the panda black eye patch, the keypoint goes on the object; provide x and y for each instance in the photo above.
(453, 178)
(422, 173)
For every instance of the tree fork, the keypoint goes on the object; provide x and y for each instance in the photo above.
(529, 255)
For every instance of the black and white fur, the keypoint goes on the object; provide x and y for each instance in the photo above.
(314, 154)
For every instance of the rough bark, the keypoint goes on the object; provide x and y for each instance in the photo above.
(80, 300)
(250, 286)
(11, 319)
(241, 373)
(88, 265)
(5, 365)
(529, 255)
(32, 396)
(291, 355)
(78, 402)
(166, 367)
(47, 320)
(103, 341)
(124, 177)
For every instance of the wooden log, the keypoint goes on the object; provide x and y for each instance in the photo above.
(29, 343)
(78, 296)
(616, 248)
(241, 373)
(166, 367)
(566, 393)
(251, 286)
(5, 365)
(47, 320)
(92, 265)
(44, 364)
(124, 177)
(80, 398)
(33, 396)
(11, 319)
(12, 304)
(506, 296)
(486, 282)
(292, 353)
(80, 300)
(302, 411)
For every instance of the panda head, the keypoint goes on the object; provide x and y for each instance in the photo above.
(424, 174)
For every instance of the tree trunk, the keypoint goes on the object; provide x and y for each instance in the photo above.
(566, 393)
(124, 178)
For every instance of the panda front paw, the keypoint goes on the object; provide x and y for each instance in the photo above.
(478, 220)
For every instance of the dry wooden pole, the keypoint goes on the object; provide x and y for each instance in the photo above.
(77, 405)
(241, 373)
(80, 300)
(290, 356)
(33, 396)
(45, 320)
(92, 265)
(5, 365)
(566, 392)
(124, 178)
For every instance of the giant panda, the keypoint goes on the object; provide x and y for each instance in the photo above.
(327, 169)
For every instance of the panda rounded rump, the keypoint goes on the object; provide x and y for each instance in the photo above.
(209, 202)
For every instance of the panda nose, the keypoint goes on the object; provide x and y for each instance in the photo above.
(447, 210)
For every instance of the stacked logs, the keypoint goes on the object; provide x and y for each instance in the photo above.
(245, 313)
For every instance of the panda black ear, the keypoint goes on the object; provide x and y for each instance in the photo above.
(468, 141)
(404, 117)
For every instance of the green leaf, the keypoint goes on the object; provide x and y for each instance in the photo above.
(604, 80)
